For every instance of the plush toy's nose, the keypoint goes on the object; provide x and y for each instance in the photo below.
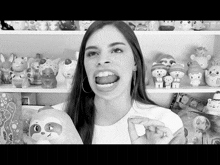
(42, 133)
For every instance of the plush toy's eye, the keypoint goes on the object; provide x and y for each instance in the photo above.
(50, 127)
(36, 128)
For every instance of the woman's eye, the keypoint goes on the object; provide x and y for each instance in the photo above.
(90, 54)
(117, 50)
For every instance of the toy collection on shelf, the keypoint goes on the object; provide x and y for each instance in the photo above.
(203, 70)
(82, 25)
(24, 72)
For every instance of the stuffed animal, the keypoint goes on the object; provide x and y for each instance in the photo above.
(195, 73)
(177, 71)
(68, 70)
(6, 70)
(19, 73)
(52, 126)
(158, 72)
(48, 71)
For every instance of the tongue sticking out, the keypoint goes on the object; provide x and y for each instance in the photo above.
(107, 80)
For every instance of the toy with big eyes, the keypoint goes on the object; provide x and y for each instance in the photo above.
(52, 126)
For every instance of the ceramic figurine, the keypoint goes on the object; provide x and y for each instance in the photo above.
(168, 81)
(195, 73)
(212, 76)
(67, 25)
(31, 25)
(18, 25)
(153, 25)
(68, 71)
(167, 25)
(166, 59)
(48, 70)
(186, 25)
(19, 73)
(141, 26)
(53, 25)
(198, 25)
(177, 71)
(203, 59)
(6, 70)
(33, 70)
(158, 71)
(213, 105)
(84, 25)
(52, 126)
(42, 25)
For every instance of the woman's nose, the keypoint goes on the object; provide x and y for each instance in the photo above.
(103, 60)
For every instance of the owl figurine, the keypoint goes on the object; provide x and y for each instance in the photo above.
(52, 126)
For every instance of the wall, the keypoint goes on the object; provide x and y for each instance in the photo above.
(180, 46)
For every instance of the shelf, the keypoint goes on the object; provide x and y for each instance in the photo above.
(61, 88)
(183, 89)
(77, 32)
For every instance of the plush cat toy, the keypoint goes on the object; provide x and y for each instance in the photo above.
(52, 126)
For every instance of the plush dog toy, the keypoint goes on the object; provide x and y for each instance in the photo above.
(52, 126)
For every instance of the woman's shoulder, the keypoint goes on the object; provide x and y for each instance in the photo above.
(165, 115)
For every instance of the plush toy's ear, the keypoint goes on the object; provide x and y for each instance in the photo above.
(45, 107)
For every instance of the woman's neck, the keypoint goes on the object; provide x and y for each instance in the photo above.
(109, 112)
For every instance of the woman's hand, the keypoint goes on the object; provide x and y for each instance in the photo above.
(155, 131)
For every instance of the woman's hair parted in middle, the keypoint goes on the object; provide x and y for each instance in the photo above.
(80, 103)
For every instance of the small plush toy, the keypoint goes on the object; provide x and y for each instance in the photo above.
(195, 73)
(68, 70)
(168, 81)
(198, 25)
(213, 105)
(158, 71)
(177, 71)
(68, 25)
(19, 73)
(166, 59)
(53, 25)
(48, 71)
(52, 126)
(212, 76)
(6, 64)
(166, 25)
(186, 25)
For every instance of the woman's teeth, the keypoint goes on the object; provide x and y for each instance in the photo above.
(106, 79)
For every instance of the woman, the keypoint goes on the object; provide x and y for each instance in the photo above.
(108, 103)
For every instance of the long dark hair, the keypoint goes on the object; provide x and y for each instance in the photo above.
(80, 104)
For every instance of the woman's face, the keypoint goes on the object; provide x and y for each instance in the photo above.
(109, 63)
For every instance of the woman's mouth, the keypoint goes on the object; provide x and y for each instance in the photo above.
(106, 79)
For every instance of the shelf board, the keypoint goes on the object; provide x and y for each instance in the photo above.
(183, 89)
(61, 88)
(77, 32)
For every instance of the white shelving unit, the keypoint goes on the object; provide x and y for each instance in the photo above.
(52, 44)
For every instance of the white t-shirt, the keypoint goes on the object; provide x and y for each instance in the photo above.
(118, 132)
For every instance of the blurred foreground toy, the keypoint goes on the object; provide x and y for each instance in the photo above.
(52, 126)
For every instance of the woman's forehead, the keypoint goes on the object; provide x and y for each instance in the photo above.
(105, 36)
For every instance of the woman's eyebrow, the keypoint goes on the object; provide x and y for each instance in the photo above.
(116, 43)
(91, 47)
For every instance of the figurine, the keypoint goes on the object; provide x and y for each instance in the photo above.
(48, 70)
(195, 73)
(33, 70)
(177, 71)
(153, 25)
(212, 76)
(84, 25)
(19, 73)
(52, 126)
(186, 25)
(141, 26)
(213, 105)
(166, 25)
(68, 71)
(18, 25)
(31, 25)
(53, 25)
(42, 25)
(6, 70)
(166, 59)
(168, 81)
(67, 25)
(158, 71)
(198, 25)
(203, 60)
